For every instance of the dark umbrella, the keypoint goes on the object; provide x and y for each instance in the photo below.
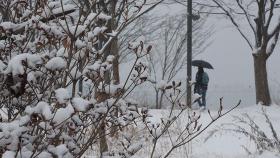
(202, 63)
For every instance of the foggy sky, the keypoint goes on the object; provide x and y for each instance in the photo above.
(229, 53)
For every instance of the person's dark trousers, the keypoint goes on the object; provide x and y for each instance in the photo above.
(202, 100)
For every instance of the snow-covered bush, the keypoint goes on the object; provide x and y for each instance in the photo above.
(55, 70)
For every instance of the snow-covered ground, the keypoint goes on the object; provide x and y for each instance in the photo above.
(229, 144)
(221, 144)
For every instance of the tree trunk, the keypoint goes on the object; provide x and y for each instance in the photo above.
(116, 78)
(101, 97)
(103, 141)
(157, 99)
(160, 100)
(115, 52)
(261, 82)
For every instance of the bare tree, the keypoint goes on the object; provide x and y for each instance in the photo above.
(260, 31)
(146, 26)
(169, 55)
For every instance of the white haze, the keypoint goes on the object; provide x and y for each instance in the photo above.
(233, 76)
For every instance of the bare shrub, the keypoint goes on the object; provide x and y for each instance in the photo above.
(192, 128)
(245, 125)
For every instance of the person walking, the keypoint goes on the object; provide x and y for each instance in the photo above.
(201, 85)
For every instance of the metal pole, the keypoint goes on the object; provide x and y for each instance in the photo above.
(189, 65)
(189, 53)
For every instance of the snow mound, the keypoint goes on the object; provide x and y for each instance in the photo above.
(56, 63)
(41, 108)
(80, 104)
(62, 114)
(16, 64)
(62, 95)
